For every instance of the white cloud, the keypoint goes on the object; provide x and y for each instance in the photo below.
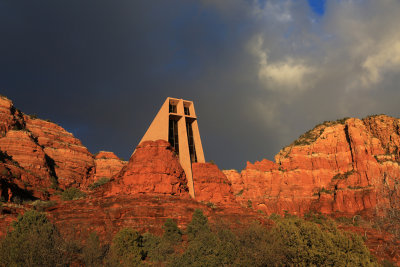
(386, 58)
(288, 74)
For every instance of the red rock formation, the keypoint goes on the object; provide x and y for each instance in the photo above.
(73, 163)
(45, 154)
(382, 244)
(107, 165)
(153, 168)
(20, 145)
(142, 212)
(340, 166)
(211, 184)
(10, 117)
(348, 166)
(17, 184)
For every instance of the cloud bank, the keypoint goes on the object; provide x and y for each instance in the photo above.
(260, 72)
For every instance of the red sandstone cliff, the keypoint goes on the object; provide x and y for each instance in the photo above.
(211, 184)
(154, 168)
(107, 165)
(346, 166)
(39, 156)
(73, 163)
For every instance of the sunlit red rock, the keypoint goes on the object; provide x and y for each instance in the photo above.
(153, 168)
(107, 165)
(340, 166)
(345, 167)
(73, 163)
(18, 184)
(211, 184)
(21, 146)
(10, 117)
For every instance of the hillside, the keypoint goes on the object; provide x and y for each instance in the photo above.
(343, 169)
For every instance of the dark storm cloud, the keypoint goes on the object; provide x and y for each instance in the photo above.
(260, 72)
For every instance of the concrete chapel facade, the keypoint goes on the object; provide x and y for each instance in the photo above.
(176, 122)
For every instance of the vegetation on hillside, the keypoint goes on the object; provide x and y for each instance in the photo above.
(312, 135)
(292, 241)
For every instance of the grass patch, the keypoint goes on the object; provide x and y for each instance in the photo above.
(72, 194)
(211, 205)
(312, 135)
(342, 176)
(98, 183)
(239, 193)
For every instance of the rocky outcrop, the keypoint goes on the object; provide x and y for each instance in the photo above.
(72, 162)
(18, 184)
(44, 155)
(154, 168)
(345, 166)
(10, 117)
(143, 212)
(21, 146)
(107, 165)
(211, 184)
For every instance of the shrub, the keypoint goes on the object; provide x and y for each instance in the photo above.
(172, 233)
(151, 246)
(239, 193)
(198, 225)
(127, 247)
(100, 182)
(205, 247)
(343, 176)
(205, 250)
(249, 204)
(306, 244)
(72, 194)
(54, 182)
(33, 116)
(93, 253)
(258, 247)
(160, 249)
(211, 205)
(34, 241)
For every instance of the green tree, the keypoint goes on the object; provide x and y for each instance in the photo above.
(257, 247)
(127, 247)
(206, 248)
(172, 233)
(198, 225)
(93, 252)
(34, 241)
(307, 244)
(161, 249)
(151, 244)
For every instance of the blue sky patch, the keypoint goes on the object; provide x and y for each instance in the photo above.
(317, 6)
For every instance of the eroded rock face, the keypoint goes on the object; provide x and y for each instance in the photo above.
(73, 163)
(153, 168)
(107, 165)
(43, 155)
(10, 117)
(211, 184)
(345, 166)
(21, 146)
(18, 184)
(142, 212)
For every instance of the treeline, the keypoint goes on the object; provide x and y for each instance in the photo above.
(292, 241)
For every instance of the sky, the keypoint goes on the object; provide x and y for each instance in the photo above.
(260, 72)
